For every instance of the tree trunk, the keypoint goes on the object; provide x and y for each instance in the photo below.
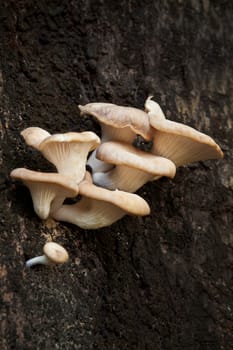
(159, 282)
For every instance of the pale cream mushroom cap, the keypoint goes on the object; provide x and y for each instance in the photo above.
(131, 203)
(119, 123)
(99, 207)
(69, 151)
(34, 135)
(55, 253)
(48, 190)
(181, 143)
(133, 167)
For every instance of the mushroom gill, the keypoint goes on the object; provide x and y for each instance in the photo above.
(100, 207)
(178, 142)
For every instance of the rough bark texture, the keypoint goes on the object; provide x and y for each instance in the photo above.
(160, 282)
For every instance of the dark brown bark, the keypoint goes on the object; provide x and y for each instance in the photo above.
(160, 282)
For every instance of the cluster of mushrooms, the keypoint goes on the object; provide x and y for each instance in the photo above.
(136, 146)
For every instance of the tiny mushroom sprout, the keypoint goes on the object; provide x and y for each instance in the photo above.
(54, 253)
(178, 142)
(118, 123)
(48, 190)
(100, 207)
(34, 135)
(69, 151)
(132, 167)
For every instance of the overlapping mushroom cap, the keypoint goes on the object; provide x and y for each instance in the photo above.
(48, 190)
(100, 207)
(118, 123)
(132, 167)
(68, 152)
(178, 142)
(34, 135)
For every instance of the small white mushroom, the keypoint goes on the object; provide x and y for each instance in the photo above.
(48, 190)
(100, 207)
(178, 142)
(54, 253)
(118, 123)
(132, 167)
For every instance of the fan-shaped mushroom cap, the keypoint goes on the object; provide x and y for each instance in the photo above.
(55, 253)
(48, 190)
(69, 151)
(178, 142)
(33, 136)
(182, 144)
(100, 207)
(133, 167)
(117, 122)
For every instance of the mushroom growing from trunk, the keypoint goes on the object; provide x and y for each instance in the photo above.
(100, 207)
(132, 167)
(54, 253)
(178, 142)
(118, 123)
(48, 190)
(69, 151)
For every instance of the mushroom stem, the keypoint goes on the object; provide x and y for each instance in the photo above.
(98, 165)
(42, 260)
(123, 178)
(54, 253)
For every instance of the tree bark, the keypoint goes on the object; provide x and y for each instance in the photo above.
(160, 282)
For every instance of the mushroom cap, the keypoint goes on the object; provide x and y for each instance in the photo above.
(99, 207)
(69, 151)
(72, 137)
(153, 108)
(33, 136)
(27, 175)
(129, 202)
(48, 190)
(119, 117)
(124, 154)
(55, 253)
(181, 143)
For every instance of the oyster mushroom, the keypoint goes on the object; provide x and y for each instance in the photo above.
(118, 123)
(100, 207)
(132, 167)
(54, 253)
(48, 190)
(69, 151)
(178, 142)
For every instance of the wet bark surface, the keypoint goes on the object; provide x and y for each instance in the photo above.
(159, 282)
